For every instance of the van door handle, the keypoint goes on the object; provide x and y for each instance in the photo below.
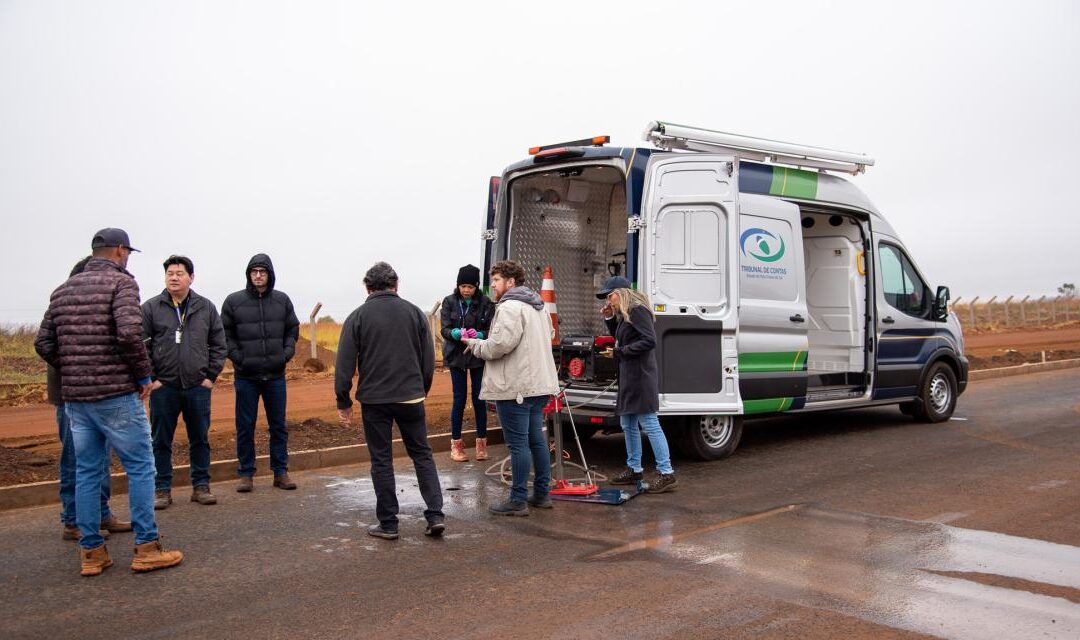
(887, 320)
(797, 318)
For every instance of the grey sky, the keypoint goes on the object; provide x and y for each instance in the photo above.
(332, 135)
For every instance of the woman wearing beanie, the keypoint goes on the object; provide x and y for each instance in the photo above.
(466, 313)
(629, 318)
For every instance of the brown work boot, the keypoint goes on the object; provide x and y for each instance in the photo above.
(627, 476)
(149, 556)
(246, 485)
(457, 451)
(112, 524)
(664, 482)
(94, 561)
(282, 481)
(162, 499)
(481, 449)
(202, 495)
(73, 533)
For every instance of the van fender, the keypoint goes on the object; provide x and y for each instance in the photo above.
(949, 357)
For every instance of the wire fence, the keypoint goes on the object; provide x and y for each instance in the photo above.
(998, 312)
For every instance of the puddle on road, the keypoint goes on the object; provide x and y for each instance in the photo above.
(920, 576)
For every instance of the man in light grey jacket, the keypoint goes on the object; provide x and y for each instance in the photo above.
(519, 377)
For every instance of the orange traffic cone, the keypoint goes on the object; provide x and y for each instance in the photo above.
(547, 294)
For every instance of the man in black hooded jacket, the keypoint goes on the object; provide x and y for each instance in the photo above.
(261, 330)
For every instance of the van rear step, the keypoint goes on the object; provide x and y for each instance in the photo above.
(824, 394)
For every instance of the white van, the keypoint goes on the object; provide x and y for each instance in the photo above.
(777, 286)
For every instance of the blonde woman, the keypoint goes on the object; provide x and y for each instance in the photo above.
(630, 319)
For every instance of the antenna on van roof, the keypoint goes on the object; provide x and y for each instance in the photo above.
(666, 135)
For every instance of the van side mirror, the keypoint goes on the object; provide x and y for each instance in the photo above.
(941, 304)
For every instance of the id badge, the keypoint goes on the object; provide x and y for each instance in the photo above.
(178, 334)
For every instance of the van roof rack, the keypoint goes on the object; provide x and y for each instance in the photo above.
(666, 135)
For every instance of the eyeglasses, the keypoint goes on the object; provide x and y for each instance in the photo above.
(259, 272)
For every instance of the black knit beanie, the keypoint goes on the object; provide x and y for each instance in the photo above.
(469, 275)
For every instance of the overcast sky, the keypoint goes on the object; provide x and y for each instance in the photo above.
(332, 134)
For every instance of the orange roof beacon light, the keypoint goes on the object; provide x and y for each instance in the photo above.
(595, 141)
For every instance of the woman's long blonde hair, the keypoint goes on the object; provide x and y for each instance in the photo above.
(629, 298)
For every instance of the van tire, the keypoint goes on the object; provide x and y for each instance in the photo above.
(937, 396)
(711, 437)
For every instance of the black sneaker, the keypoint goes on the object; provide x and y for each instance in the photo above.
(378, 531)
(435, 529)
(541, 503)
(627, 476)
(509, 508)
(664, 482)
(162, 499)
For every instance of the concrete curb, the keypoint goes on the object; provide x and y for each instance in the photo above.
(48, 492)
(1022, 369)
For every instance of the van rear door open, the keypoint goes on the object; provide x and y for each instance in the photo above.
(691, 216)
(773, 316)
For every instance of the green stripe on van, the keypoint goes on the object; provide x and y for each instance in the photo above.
(768, 405)
(794, 182)
(767, 361)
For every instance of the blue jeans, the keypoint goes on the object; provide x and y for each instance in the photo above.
(460, 380)
(166, 405)
(247, 409)
(67, 473)
(651, 424)
(119, 423)
(523, 430)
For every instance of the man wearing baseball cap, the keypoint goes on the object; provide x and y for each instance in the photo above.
(103, 383)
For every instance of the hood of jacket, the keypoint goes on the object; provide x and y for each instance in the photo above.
(260, 260)
(524, 294)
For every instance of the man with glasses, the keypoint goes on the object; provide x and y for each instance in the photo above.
(261, 330)
(92, 333)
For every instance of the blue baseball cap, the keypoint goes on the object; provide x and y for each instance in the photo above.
(611, 284)
(110, 237)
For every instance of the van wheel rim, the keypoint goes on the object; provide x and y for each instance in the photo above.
(715, 430)
(940, 393)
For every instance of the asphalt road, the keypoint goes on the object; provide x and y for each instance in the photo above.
(850, 524)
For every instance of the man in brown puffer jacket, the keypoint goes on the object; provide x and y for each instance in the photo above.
(92, 333)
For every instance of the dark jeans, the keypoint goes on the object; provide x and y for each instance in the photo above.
(166, 405)
(413, 427)
(460, 379)
(247, 409)
(67, 473)
(523, 430)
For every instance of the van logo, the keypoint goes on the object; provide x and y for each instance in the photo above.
(762, 245)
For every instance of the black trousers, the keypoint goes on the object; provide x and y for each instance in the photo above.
(411, 422)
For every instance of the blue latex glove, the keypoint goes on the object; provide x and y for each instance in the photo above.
(456, 334)
(479, 335)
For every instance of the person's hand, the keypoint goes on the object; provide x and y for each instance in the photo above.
(155, 385)
(456, 334)
(345, 417)
(207, 383)
(468, 343)
(144, 390)
(469, 333)
(607, 311)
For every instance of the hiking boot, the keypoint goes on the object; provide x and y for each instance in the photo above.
(246, 485)
(541, 503)
(627, 476)
(94, 561)
(73, 533)
(457, 451)
(377, 531)
(664, 482)
(435, 529)
(202, 495)
(481, 449)
(282, 481)
(509, 508)
(150, 556)
(162, 499)
(114, 525)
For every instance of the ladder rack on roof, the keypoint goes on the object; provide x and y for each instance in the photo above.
(666, 135)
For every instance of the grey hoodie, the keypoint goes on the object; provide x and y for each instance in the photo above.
(523, 294)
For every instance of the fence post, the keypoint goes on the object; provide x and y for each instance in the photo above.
(1023, 314)
(311, 318)
(971, 312)
(990, 311)
(1053, 309)
(433, 321)
(1007, 301)
(1039, 309)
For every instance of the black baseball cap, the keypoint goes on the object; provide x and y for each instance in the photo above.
(611, 284)
(110, 237)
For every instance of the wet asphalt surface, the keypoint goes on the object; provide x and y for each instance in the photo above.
(847, 524)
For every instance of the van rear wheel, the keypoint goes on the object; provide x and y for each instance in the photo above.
(937, 397)
(711, 437)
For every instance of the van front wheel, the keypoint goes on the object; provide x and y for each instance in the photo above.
(711, 437)
(937, 397)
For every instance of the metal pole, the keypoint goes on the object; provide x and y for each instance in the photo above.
(1038, 307)
(990, 311)
(971, 311)
(311, 318)
(1053, 309)
(1023, 312)
(1007, 301)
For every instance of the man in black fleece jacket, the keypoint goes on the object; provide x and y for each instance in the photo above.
(388, 339)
